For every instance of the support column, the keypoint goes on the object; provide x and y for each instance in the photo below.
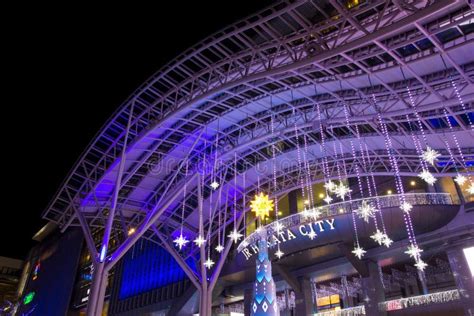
(248, 295)
(97, 290)
(373, 290)
(304, 299)
(463, 278)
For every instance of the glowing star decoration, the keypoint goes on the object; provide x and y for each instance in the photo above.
(199, 241)
(181, 241)
(430, 155)
(279, 253)
(427, 177)
(279, 226)
(378, 237)
(208, 263)
(387, 241)
(460, 179)
(366, 211)
(330, 186)
(342, 190)
(261, 205)
(470, 190)
(420, 265)
(327, 199)
(359, 252)
(219, 248)
(312, 234)
(235, 235)
(406, 207)
(414, 252)
(214, 185)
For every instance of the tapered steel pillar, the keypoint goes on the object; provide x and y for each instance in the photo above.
(97, 291)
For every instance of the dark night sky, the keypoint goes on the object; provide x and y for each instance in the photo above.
(66, 70)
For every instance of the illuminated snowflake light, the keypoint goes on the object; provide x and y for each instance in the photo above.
(414, 252)
(342, 190)
(359, 252)
(235, 235)
(427, 177)
(378, 237)
(215, 185)
(406, 207)
(330, 186)
(208, 263)
(327, 199)
(199, 241)
(420, 265)
(219, 248)
(261, 205)
(460, 179)
(366, 211)
(387, 241)
(181, 241)
(430, 155)
(312, 234)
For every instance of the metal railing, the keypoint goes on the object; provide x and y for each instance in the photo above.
(386, 201)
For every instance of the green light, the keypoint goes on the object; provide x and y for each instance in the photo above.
(28, 298)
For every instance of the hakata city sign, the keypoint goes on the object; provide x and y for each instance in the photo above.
(308, 230)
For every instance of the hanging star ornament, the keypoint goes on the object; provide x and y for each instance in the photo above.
(219, 248)
(279, 226)
(420, 265)
(279, 253)
(327, 199)
(460, 179)
(387, 241)
(214, 185)
(342, 190)
(378, 237)
(406, 207)
(359, 252)
(430, 155)
(208, 263)
(181, 241)
(235, 235)
(470, 189)
(365, 211)
(199, 241)
(427, 177)
(261, 205)
(330, 186)
(414, 252)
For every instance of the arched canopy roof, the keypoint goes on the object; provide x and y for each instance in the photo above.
(284, 62)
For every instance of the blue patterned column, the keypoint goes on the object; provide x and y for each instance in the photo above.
(264, 300)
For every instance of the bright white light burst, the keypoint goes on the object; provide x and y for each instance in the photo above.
(327, 199)
(279, 226)
(215, 185)
(414, 252)
(219, 248)
(470, 190)
(199, 241)
(366, 211)
(359, 252)
(378, 237)
(279, 253)
(387, 241)
(460, 179)
(235, 235)
(427, 177)
(420, 265)
(342, 190)
(330, 186)
(312, 234)
(208, 263)
(181, 241)
(430, 155)
(406, 207)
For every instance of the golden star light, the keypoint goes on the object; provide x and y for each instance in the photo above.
(261, 205)
(359, 252)
(430, 155)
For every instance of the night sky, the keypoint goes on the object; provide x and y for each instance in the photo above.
(66, 70)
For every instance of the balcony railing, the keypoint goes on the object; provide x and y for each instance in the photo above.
(386, 201)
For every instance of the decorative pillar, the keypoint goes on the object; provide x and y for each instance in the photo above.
(97, 290)
(463, 278)
(304, 298)
(373, 290)
(264, 300)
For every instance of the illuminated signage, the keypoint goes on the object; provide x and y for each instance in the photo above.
(309, 230)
